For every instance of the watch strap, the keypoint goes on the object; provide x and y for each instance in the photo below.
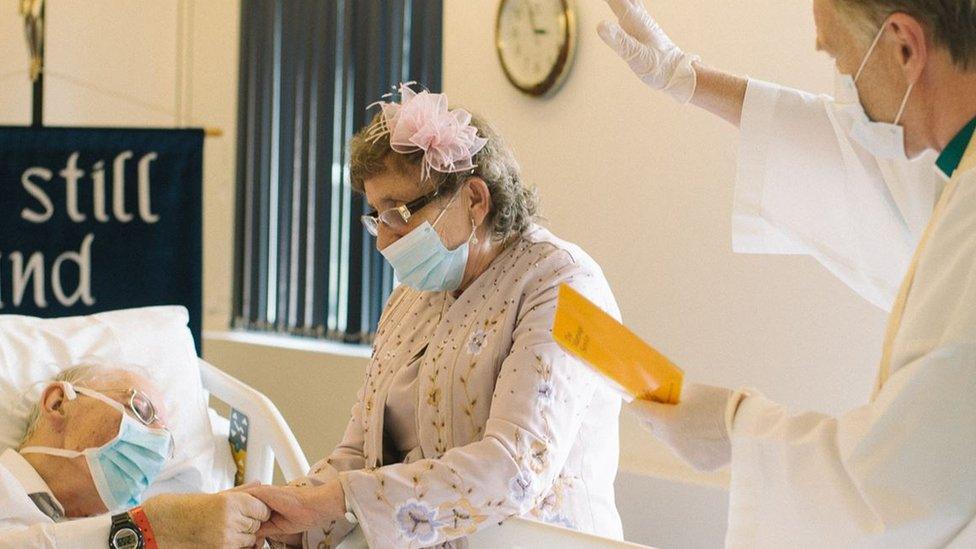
(139, 517)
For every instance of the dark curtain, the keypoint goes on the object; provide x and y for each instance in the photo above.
(308, 69)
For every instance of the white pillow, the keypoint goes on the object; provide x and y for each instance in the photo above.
(33, 350)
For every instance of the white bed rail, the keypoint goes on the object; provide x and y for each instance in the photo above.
(268, 437)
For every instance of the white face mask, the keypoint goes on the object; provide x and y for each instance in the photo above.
(883, 140)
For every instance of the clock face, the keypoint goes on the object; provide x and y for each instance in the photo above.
(535, 41)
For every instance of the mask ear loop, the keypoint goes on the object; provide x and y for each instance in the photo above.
(864, 63)
(69, 390)
(904, 103)
(448, 207)
(874, 44)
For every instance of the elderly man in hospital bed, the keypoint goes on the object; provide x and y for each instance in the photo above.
(96, 439)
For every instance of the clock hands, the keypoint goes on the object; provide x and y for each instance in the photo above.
(535, 27)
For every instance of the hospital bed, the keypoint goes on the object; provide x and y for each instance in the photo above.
(248, 441)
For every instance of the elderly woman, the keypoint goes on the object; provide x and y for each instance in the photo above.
(470, 413)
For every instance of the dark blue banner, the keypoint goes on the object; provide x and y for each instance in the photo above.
(98, 219)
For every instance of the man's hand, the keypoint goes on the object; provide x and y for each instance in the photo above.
(296, 509)
(695, 428)
(654, 58)
(227, 519)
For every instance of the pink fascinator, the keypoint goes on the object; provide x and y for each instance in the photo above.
(421, 121)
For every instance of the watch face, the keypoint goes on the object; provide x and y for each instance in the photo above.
(125, 538)
(535, 39)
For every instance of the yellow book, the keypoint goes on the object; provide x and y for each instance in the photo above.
(593, 336)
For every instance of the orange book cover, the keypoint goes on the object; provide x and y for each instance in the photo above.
(588, 333)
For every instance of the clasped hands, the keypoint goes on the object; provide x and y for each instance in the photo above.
(295, 509)
(244, 516)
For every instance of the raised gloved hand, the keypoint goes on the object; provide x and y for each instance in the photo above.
(653, 57)
(696, 429)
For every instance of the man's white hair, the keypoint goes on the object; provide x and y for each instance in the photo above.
(81, 375)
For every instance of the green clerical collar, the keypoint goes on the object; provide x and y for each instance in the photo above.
(952, 155)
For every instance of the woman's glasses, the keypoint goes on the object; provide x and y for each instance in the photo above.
(396, 218)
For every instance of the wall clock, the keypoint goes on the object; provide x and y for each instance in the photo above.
(536, 43)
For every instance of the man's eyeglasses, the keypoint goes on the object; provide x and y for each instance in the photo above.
(142, 407)
(137, 403)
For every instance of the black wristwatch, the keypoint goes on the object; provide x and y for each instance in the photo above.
(125, 533)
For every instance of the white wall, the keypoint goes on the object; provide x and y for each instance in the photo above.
(643, 184)
(14, 87)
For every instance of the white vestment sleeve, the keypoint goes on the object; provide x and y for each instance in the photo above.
(895, 473)
(803, 187)
(899, 471)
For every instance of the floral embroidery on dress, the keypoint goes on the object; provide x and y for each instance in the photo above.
(327, 542)
(521, 486)
(560, 520)
(545, 391)
(539, 458)
(460, 518)
(479, 336)
(477, 342)
(418, 521)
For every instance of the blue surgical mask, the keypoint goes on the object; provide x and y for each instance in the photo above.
(125, 466)
(421, 261)
(883, 140)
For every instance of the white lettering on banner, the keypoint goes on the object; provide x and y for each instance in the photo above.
(118, 187)
(40, 185)
(21, 276)
(73, 176)
(37, 193)
(98, 191)
(33, 273)
(83, 260)
(145, 209)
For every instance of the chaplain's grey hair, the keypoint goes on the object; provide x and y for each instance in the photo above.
(950, 23)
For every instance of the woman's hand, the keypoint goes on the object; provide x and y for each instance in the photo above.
(296, 509)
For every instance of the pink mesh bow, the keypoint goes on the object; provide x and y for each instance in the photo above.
(421, 121)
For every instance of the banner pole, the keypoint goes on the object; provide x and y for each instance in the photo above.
(34, 30)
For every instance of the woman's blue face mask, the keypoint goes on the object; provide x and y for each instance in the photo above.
(421, 261)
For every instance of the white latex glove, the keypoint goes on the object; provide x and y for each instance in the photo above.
(653, 57)
(697, 429)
